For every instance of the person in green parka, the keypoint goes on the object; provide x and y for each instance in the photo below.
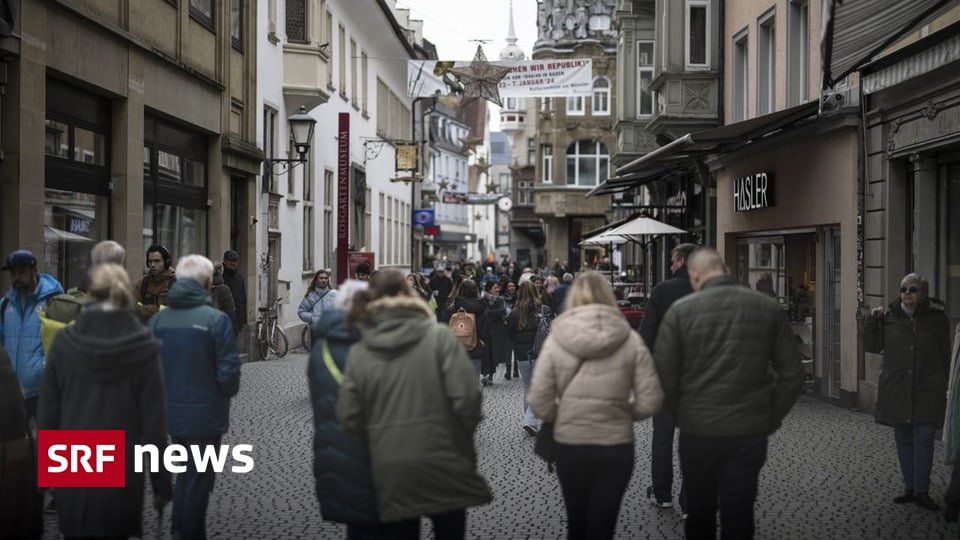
(913, 333)
(410, 394)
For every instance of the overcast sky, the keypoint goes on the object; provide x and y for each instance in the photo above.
(452, 24)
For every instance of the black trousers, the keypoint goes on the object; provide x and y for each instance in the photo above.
(724, 471)
(593, 480)
(446, 526)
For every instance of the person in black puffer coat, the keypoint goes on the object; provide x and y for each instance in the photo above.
(913, 333)
(496, 319)
(341, 465)
(468, 298)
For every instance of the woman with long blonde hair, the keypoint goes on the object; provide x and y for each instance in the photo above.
(593, 379)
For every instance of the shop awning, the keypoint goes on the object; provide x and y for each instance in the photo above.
(682, 153)
(854, 31)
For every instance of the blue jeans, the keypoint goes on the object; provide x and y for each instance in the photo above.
(191, 494)
(661, 459)
(526, 375)
(915, 452)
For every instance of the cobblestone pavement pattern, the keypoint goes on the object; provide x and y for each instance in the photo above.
(830, 473)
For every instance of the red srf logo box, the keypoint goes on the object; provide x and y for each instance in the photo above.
(81, 458)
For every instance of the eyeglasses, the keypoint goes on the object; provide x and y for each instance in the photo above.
(911, 290)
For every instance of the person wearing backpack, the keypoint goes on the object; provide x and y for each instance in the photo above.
(320, 298)
(20, 321)
(522, 330)
(467, 303)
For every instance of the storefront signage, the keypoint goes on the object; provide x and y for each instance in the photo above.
(753, 192)
(79, 226)
(343, 195)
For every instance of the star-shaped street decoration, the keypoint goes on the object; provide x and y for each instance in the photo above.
(480, 78)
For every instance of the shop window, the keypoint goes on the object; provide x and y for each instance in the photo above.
(76, 179)
(175, 188)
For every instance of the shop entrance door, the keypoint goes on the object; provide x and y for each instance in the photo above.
(831, 311)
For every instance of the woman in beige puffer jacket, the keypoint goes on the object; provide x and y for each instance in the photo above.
(594, 377)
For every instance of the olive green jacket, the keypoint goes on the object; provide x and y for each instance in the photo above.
(412, 395)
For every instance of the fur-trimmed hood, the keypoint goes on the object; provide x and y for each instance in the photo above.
(396, 323)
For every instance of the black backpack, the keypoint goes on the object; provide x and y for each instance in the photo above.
(544, 318)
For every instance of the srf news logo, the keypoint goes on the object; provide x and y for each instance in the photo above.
(97, 458)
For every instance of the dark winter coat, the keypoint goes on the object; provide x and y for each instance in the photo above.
(104, 373)
(238, 288)
(523, 337)
(21, 503)
(916, 363)
(341, 466)
(661, 298)
(496, 315)
(728, 361)
(443, 286)
(223, 300)
(477, 306)
(410, 393)
(201, 367)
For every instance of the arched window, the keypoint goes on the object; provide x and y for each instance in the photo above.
(601, 96)
(587, 163)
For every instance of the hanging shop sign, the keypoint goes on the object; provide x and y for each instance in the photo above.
(527, 78)
(753, 192)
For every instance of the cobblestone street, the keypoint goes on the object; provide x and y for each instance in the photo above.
(830, 474)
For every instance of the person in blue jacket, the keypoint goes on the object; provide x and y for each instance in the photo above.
(341, 465)
(20, 321)
(201, 372)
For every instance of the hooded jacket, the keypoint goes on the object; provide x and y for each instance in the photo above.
(341, 466)
(201, 367)
(594, 377)
(728, 361)
(104, 373)
(916, 362)
(158, 289)
(20, 331)
(411, 394)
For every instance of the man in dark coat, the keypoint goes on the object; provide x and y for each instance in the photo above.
(21, 501)
(201, 370)
(441, 284)
(913, 333)
(661, 298)
(730, 370)
(238, 288)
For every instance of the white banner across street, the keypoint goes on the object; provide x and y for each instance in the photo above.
(528, 78)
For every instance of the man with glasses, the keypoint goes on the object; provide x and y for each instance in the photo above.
(913, 333)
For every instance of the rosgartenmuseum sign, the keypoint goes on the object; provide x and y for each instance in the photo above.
(753, 192)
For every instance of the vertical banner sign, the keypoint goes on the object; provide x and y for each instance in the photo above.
(343, 195)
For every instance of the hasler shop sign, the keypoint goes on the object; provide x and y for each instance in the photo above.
(753, 192)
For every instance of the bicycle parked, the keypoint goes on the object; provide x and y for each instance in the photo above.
(270, 337)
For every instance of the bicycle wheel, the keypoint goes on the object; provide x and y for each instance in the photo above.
(263, 344)
(279, 344)
(305, 338)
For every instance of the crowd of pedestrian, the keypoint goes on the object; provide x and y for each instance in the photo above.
(397, 371)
